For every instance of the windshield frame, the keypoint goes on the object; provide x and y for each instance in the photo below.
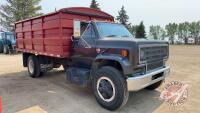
(102, 37)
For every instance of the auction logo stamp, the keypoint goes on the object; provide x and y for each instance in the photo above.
(175, 93)
(0, 104)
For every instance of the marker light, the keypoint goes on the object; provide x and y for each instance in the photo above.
(124, 53)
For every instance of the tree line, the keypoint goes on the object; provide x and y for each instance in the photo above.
(183, 31)
(15, 10)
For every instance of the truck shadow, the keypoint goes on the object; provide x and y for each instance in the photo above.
(143, 101)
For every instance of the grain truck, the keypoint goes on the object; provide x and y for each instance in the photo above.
(94, 51)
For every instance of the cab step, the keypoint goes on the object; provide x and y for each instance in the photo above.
(78, 76)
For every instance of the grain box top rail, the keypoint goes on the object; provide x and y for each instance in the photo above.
(84, 11)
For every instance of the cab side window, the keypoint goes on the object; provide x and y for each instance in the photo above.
(89, 35)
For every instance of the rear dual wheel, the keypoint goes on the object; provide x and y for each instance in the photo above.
(34, 69)
(110, 89)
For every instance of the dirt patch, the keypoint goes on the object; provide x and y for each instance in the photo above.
(54, 95)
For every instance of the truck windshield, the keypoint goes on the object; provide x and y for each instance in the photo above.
(112, 30)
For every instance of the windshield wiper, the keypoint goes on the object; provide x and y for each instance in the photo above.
(111, 36)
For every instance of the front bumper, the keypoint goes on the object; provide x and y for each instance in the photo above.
(139, 82)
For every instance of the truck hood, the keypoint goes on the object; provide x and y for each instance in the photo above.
(126, 42)
(130, 44)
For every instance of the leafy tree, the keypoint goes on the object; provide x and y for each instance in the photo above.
(123, 17)
(132, 29)
(183, 31)
(194, 29)
(171, 29)
(153, 32)
(15, 10)
(94, 5)
(157, 32)
(140, 31)
(163, 34)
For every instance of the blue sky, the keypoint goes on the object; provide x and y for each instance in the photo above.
(152, 12)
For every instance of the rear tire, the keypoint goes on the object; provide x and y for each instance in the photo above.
(155, 85)
(110, 88)
(34, 69)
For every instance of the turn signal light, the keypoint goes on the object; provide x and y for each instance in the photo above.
(124, 53)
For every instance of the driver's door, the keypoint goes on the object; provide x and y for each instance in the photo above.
(84, 50)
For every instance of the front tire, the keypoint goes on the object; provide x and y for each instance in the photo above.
(110, 88)
(34, 69)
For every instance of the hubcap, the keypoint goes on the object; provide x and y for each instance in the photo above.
(106, 89)
(31, 66)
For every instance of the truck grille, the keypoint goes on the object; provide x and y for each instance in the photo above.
(154, 65)
(152, 53)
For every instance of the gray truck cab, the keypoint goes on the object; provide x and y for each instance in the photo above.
(116, 62)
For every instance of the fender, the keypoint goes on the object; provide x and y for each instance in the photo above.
(126, 66)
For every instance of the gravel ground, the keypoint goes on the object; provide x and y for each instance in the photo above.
(53, 94)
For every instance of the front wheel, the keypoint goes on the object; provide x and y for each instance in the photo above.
(110, 88)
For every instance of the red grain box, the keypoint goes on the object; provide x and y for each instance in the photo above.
(50, 34)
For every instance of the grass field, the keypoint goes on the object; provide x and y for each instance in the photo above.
(53, 94)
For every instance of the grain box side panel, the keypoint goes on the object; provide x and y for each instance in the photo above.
(27, 26)
(19, 35)
(38, 40)
(28, 40)
(37, 24)
(52, 21)
(20, 41)
(37, 30)
(52, 35)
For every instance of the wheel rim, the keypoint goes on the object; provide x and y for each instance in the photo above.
(106, 89)
(31, 66)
